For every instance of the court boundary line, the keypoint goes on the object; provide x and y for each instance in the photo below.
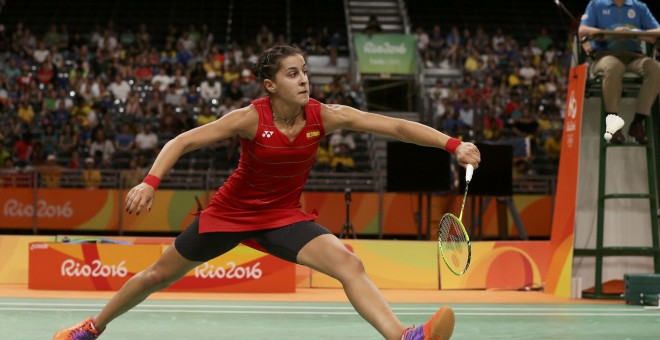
(395, 308)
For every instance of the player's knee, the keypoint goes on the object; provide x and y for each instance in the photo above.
(352, 264)
(155, 279)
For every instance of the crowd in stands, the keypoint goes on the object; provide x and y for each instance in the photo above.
(111, 98)
(511, 91)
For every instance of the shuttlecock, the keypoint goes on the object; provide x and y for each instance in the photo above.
(613, 123)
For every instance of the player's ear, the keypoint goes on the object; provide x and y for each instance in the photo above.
(270, 86)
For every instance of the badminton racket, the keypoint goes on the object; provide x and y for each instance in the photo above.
(453, 240)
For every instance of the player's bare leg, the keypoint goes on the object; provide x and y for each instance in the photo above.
(168, 269)
(329, 256)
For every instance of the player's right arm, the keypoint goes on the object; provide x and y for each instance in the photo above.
(242, 122)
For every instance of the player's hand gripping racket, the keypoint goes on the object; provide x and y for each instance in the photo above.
(453, 240)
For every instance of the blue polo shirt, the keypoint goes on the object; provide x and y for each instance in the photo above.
(606, 15)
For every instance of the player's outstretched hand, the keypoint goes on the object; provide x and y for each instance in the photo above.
(467, 153)
(139, 198)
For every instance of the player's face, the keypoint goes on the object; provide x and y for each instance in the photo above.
(291, 80)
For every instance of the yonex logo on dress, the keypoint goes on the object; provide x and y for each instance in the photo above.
(267, 134)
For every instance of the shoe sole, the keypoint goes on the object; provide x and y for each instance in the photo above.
(441, 325)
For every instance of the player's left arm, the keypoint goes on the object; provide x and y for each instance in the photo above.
(345, 117)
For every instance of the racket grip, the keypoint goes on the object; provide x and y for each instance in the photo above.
(469, 170)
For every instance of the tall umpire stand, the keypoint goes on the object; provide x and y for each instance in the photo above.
(616, 230)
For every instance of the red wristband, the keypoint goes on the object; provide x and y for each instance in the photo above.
(152, 180)
(452, 144)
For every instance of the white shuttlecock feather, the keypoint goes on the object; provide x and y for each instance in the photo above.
(613, 123)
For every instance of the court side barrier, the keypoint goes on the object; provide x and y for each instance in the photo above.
(107, 266)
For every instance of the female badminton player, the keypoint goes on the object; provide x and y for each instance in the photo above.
(260, 201)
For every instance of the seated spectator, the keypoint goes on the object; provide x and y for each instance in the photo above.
(249, 87)
(467, 112)
(172, 97)
(206, 116)
(102, 144)
(526, 125)
(324, 155)
(552, 145)
(23, 148)
(452, 123)
(91, 176)
(234, 91)
(231, 74)
(133, 176)
(342, 137)
(198, 73)
(60, 115)
(211, 88)
(527, 72)
(422, 42)
(133, 105)
(471, 64)
(125, 140)
(453, 46)
(51, 173)
(38, 156)
(64, 98)
(74, 163)
(162, 80)
(119, 88)
(179, 78)
(41, 52)
(156, 106)
(9, 174)
(25, 111)
(46, 73)
(146, 141)
(193, 97)
(143, 72)
(493, 126)
(436, 47)
(49, 139)
(170, 125)
(343, 161)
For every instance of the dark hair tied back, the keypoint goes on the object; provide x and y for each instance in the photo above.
(269, 61)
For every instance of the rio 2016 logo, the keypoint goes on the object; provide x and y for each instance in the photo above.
(71, 268)
(209, 271)
(14, 208)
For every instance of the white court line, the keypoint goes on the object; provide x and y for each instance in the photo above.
(148, 305)
(136, 310)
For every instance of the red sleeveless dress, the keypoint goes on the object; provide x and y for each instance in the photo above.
(264, 191)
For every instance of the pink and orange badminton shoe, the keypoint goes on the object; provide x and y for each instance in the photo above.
(84, 330)
(439, 327)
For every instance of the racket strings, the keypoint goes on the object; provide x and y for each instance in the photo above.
(454, 243)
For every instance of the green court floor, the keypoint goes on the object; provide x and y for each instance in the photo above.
(164, 320)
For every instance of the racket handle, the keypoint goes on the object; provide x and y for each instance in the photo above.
(469, 170)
